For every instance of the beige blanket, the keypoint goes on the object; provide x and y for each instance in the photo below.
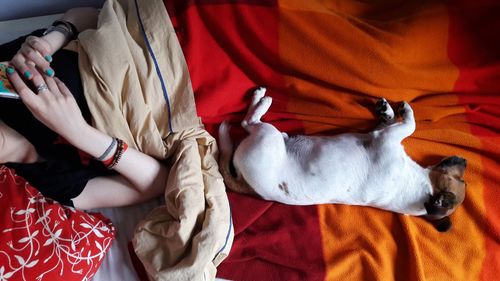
(138, 88)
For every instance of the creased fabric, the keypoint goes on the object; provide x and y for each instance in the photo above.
(138, 89)
(325, 63)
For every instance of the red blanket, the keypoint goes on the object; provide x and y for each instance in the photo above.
(325, 63)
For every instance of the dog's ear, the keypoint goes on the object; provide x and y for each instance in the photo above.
(453, 161)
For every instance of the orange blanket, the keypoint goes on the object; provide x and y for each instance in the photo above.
(325, 63)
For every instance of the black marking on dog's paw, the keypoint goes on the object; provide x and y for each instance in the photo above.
(402, 110)
(381, 106)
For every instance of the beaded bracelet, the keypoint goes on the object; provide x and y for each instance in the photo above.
(122, 147)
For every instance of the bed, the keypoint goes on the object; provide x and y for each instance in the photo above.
(325, 63)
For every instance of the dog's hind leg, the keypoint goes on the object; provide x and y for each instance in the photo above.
(258, 94)
(259, 106)
(236, 182)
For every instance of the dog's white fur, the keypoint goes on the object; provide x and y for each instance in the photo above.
(358, 169)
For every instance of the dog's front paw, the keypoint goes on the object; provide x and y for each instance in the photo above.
(404, 109)
(384, 110)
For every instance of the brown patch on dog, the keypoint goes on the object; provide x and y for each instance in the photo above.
(284, 187)
(449, 188)
(448, 179)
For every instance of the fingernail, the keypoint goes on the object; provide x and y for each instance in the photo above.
(27, 74)
(49, 72)
(48, 58)
(10, 70)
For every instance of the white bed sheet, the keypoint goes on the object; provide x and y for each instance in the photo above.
(117, 264)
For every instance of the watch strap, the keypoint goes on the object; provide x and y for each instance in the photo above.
(59, 29)
(66, 28)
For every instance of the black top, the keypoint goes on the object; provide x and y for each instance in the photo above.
(62, 175)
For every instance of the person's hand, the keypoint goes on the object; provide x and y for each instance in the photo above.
(51, 103)
(35, 52)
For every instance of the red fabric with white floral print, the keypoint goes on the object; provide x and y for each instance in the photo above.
(42, 240)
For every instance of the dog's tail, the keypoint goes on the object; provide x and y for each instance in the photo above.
(235, 183)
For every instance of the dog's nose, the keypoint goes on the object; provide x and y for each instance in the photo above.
(443, 224)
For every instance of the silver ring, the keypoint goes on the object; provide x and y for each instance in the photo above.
(42, 87)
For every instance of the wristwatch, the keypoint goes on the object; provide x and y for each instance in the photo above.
(65, 27)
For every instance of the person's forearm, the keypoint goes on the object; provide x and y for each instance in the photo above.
(55, 107)
(142, 170)
(82, 18)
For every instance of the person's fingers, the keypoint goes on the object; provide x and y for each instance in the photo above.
(42, 46)
(33, 55)
(62, 87)
(30, 63)
(26, 94)
(39, 84)
(52, 85)
(19, 62)
(37, 78)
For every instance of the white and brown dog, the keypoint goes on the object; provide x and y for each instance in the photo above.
(370, 169)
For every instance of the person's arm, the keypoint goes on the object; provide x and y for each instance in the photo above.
(81, 18)
(38, 51)
(56, 108)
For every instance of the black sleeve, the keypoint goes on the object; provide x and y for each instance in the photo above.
(60, 176)
(17, 116)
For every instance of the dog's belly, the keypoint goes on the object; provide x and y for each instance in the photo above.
(312, 170)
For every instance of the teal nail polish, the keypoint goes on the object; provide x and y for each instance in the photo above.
(49, 72)
(27, 74)
(10, 70)
(48, 58)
